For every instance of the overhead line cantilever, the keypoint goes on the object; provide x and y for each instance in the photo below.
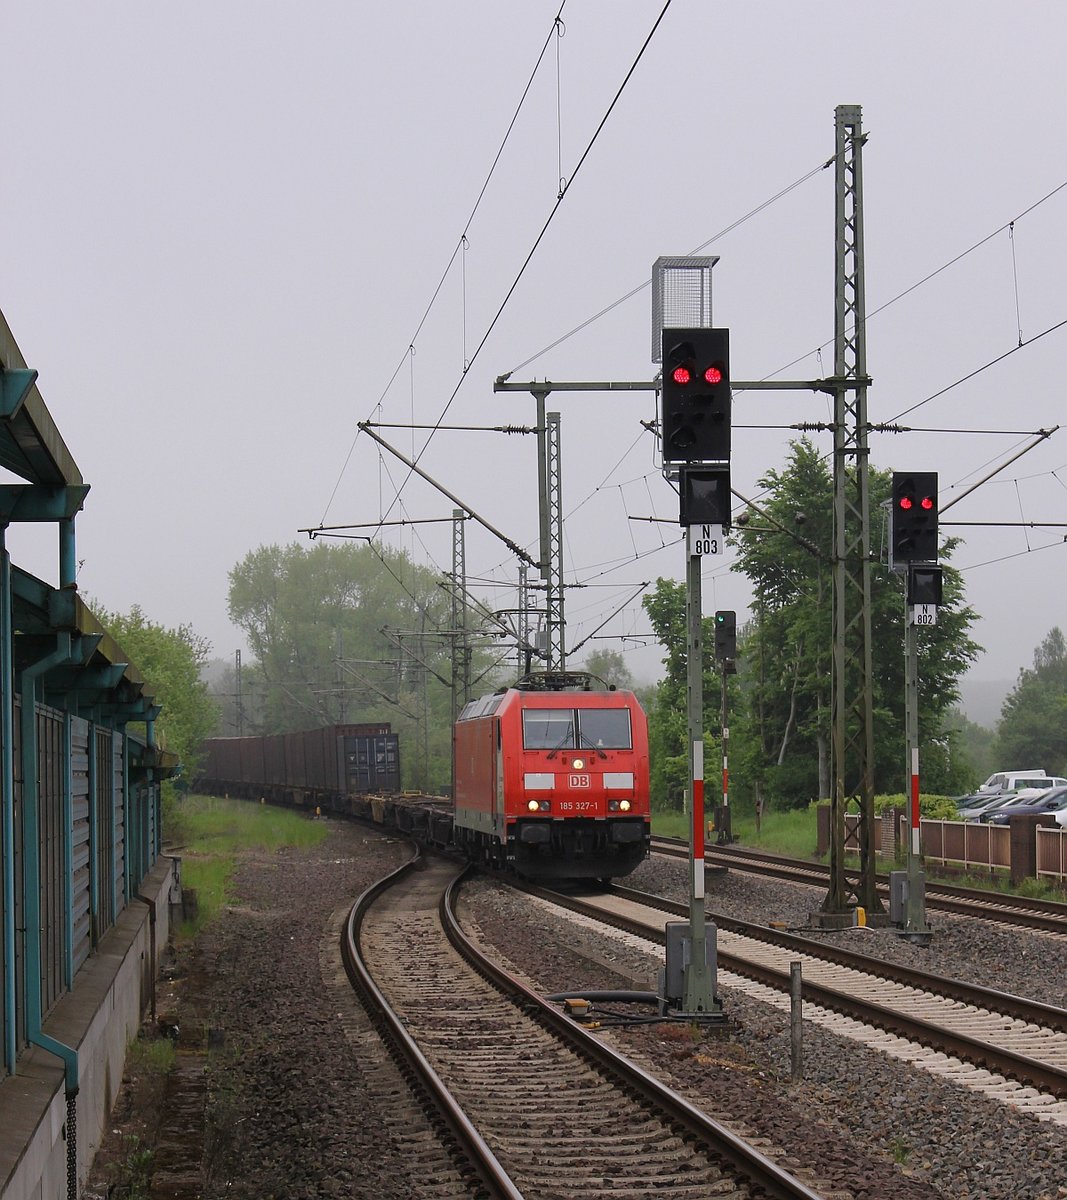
(1041, 436)
(514, 547)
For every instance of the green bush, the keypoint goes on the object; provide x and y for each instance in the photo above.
(934, 808)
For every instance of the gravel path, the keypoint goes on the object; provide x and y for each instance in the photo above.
(301, 1105)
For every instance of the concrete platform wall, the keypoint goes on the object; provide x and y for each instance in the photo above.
(98, 1018)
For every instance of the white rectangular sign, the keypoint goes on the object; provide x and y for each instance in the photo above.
(704, 539)
(923, 614)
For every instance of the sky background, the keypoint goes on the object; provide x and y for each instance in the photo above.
(223, 225)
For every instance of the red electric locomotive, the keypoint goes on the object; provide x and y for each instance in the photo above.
(552, 779)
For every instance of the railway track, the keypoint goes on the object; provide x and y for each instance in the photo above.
(1015, 1046)
(535, 1105)
(1047, 916)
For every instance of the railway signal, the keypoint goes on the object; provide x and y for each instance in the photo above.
(695, 410)
(925, 585)
(725, 634)
(913, 517)
(705, 496)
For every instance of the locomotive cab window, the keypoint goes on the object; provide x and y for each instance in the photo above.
(605, 728)
(484, 706)
(548, 728)
(570, 729)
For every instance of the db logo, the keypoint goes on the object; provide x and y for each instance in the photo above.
(579, 781)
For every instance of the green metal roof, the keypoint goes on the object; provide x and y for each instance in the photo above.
(103, 676)
(30, 444)
(100, 677)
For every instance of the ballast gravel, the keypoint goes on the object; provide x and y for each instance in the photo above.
(299, 1105)
(856, 1114)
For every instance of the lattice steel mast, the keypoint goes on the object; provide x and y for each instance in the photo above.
(550, 489)
(853, 729)
(461, 651)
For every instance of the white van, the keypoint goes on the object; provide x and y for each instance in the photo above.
(1010, 781)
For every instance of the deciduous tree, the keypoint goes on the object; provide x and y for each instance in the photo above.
(781, 718)
(351, 632)
(610, 666)
(1033, 722)
(788, 650)
(170, 661)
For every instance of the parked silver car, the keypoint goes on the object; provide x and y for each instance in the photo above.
(1053, 801)
(971, 808)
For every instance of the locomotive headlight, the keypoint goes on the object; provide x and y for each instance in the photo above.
(624, 805)
(533, 805)
(578, 764)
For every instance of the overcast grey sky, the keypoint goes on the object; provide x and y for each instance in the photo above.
(222, 224)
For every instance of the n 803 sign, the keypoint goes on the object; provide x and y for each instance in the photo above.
(704, 539)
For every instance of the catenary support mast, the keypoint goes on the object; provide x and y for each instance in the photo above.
(550, 511)
(853, 730)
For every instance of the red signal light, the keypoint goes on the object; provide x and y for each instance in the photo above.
(906, 503)
(681, 375)
(713, 375)
(926, 503)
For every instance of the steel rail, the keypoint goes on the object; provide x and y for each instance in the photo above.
(1049, 916)
(1020, 1067)
(1020, 1007)
(715, 1139)
(476, 1155)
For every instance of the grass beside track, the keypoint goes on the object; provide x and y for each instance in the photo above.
(209, 833)
(791, 832)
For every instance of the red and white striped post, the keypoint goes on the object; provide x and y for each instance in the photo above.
(915, 800)
(916, 927)
(698, 820)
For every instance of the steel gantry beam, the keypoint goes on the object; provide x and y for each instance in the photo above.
(853, 730)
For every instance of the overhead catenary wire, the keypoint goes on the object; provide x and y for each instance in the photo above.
(459, 247)
(1015, 278)
(930, 276)
(647, 283)
(537, 242)
(984, 367)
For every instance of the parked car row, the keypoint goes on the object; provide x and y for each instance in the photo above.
(1053, 801)
(1013, 781)
(1049, 796)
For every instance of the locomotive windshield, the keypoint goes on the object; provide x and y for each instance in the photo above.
(548, 728)
(571, 729)
(605, 728)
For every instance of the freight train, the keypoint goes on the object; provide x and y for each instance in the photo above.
(304, 769)
(551, 778)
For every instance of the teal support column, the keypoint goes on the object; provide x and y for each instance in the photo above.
(31, 855)
(68, 559)
(115, 798)
(94, 846)
(68, 851)
(7, 798)
(129, 804)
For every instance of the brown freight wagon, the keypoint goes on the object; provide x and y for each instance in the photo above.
(305, 768)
